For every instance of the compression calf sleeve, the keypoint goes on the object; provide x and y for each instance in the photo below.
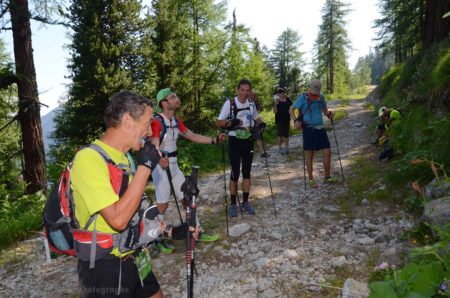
(245, 196)
(233, 199)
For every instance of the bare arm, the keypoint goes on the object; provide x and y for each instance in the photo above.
(292, 113)
(118, 215)
(297, 123)
(197, 138)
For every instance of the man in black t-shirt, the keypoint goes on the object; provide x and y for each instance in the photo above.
(282, 119)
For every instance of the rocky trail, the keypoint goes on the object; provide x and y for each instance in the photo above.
(308, 250)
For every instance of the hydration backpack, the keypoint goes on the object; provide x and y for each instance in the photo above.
(164, 126)
(309, 105)
(234, 109)
(64, 234)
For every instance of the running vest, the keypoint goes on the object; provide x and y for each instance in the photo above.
(64, 234)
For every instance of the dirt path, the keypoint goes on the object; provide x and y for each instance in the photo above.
(311, 245)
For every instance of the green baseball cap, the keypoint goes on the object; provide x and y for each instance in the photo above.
(162, 95)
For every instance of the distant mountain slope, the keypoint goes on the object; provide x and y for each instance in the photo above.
(48, 125)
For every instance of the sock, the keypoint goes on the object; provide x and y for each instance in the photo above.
(245, 196)
(233, 199)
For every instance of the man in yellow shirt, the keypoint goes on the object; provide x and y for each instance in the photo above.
(127, 120)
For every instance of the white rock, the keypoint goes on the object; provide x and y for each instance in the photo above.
(263, 285)
(366, 241)
(261, 263)
(290, 254)
(355, 289)
(338, 261)
(239, 229)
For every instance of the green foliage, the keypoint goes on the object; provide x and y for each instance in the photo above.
(286, 60)
(340, 114)
(361, 75)
(400, 27)
(19, 216)
(188, 55)
(331, 46)
(420, 89)
(428, 274)
(106, 55)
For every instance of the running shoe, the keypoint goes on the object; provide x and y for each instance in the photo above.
(208, 237)
(246, 206)
(164, 247)
(313, 184)
(330, 180)
(233, 211)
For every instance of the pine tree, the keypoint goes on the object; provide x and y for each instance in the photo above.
(399, 27)
(286, 60)
(361, 74)
(106, 52)
(259, 73)
(331, 48)
(29, 106)
(188, 53)
(10, 149)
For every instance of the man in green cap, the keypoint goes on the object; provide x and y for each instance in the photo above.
(166, 128)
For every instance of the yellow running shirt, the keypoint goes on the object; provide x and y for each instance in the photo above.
(92, 189)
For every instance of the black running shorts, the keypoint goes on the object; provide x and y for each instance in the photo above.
(240, 150)
(103, 279)
(315, 139)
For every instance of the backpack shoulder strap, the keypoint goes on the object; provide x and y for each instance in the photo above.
(175, 119)
(308, 102)
(163, 127)
(322, 102)
(233, 109)
(100, 151)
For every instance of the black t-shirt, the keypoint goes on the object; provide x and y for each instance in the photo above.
(282, 114)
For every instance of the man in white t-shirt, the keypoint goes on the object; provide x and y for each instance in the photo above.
(240, 118)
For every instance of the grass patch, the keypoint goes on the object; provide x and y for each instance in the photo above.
(366, 182)
(364, 174)
(340, 114)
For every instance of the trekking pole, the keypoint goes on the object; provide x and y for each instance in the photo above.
(268, 175)
(172, 190)
(304, 166)
(225, 187)
(190, 192)
(337, 147)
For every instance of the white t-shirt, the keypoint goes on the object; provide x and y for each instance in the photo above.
(247, 116)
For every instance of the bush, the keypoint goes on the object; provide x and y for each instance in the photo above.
(19, 216)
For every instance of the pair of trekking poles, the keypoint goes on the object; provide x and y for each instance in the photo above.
(237, 192)
(339, 156)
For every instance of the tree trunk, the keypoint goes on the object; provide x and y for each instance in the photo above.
(29, 108)
(435, 28)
